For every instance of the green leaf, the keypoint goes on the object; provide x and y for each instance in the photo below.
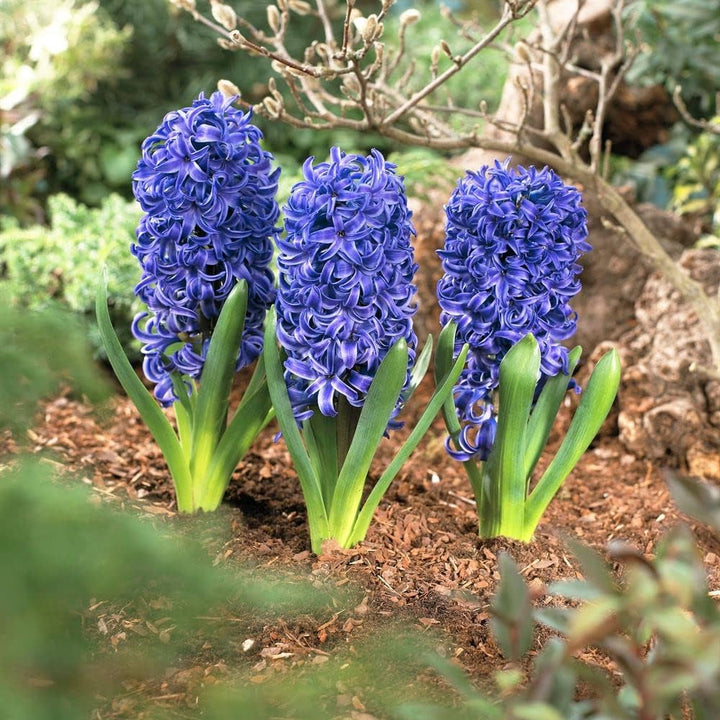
(381, 398)
(504, 479)
(595, 404)
(252, 415)
(422, 362)
(149, 410)
(536, 711)
(436, 402)
(594, 568)
(309, 482)
(542, 417)
(320, 433)
(512, 620)
(443, 364)
(216, 381)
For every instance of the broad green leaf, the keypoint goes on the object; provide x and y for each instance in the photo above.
(595, 404)
(436, 401)
(158, 425)
(309, 482)
(320, 433)
(216, 381)
(381, 398)
(504, 480)
(542, 417)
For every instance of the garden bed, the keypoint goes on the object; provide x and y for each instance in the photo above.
(422, 564)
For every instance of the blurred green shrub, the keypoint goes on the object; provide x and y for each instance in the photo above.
(55, 54)
(679, 47)
(40, 351)
(62, 263)
(697, 179)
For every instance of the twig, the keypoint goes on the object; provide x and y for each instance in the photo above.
(689, 119)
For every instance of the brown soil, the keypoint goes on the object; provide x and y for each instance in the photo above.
(422, 562)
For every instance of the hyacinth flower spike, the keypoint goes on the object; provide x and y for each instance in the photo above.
(513, 239)
(343, 319)
(205, 245)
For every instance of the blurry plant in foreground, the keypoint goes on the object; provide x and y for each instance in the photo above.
(204, 244)
(657, 624)
(344, 319)
(513, 238)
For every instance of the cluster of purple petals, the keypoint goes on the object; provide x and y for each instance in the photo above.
(208, 192)
(346, 268)
(510, 261)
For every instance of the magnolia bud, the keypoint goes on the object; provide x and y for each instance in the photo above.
(228, 88)
(409, 16)
(237, 37)
(273, 18)
(300, 7)
(360, 24)
(188, 5)
(225, 15)
(446, 49)
(272, 106)
(368, 31)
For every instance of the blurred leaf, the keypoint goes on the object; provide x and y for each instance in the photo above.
(39, 352)
(512, 622)
(696, 498)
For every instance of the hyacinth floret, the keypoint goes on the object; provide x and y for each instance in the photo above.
(510, 261)
(208, 192)
(346, 268)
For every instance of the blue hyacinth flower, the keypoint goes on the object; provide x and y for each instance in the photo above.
(208, 192)
(510, 262)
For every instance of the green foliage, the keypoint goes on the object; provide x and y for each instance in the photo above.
(61, 263)
(203, 453)
(55, 54)
(651, 174)
(697, 179)
(39, 351)
(658, 625)
(506, 504)
(679, 47)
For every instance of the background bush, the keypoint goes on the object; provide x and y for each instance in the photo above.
(62, 264)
